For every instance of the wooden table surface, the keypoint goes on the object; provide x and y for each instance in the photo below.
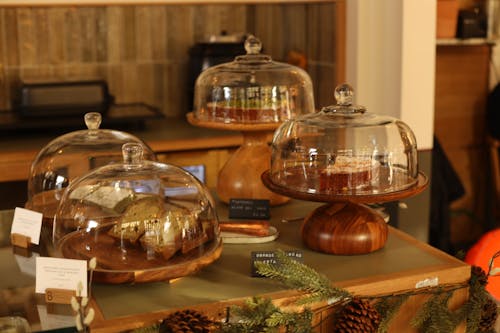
(400, 265)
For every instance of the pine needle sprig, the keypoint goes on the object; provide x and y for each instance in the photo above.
(474, 306)
(293, 322)
(296, 275)
(435, 316)
(261, 315)
(387, 308)
(255, 311)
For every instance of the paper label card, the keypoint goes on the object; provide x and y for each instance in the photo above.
(27, 223)
(270, 258)
(257, 209)
(58, 273)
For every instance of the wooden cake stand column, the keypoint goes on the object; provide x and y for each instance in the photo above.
(344, 228)
(240, 177)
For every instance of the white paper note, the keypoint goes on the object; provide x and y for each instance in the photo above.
(27, 223)
(60, 273)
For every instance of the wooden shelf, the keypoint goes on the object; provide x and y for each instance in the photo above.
(465, 41)
(20, 3)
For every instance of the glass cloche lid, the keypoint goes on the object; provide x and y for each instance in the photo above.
(252, 89)
(142, 220)
(343, 151)
(72, 155)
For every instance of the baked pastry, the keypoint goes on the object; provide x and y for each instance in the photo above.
(132, 224)
(255, 105)
(348, 173)
(109, 198)
(161, 237)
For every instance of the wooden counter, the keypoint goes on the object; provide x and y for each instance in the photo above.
(400, 265)
(163, 136)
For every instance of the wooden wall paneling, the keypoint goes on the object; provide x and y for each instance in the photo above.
(158, 29)
(26, 34)
(462, 86)
(145, 33)
(56, 40)
(105, 42)
(321, 47)
(101, 34)
(114, 36)
(41, 24)
(73, 36)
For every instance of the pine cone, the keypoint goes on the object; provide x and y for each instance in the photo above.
(480, 275)
(489, 316)
(190, 321)
(358, 316)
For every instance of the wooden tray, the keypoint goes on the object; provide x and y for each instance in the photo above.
(116, 266)
(420, 185)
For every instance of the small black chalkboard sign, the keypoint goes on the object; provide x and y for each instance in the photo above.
(254, 209)
(270, 257)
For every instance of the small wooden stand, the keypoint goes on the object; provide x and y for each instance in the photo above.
(20, 240)
(59, 296)
(343, 225)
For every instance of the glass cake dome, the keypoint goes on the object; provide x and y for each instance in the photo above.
(142, 220)
(343, 151)
(72, 155)
(252, 89)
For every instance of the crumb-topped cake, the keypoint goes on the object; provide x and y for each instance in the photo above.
(348, 173)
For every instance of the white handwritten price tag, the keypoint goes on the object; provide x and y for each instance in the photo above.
(27, 223)
(57, 273)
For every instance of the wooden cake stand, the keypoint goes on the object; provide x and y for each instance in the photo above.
(240, 177)
(344, 225)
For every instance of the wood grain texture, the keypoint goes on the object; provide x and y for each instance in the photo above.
(241, 175)
(462, 85)
(344, 228)
(114, 42)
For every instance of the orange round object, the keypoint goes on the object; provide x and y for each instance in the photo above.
(480, 255)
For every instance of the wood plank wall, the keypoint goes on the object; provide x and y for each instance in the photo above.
(142, 51)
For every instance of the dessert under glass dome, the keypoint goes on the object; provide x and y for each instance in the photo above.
(72, 155)
(346, 156)
(252, 94)
(142, 220)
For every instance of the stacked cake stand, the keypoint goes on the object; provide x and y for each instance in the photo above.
(346, 157)
(252, 94)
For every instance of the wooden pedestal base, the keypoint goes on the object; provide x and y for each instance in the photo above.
(240, 178)
(344, 228)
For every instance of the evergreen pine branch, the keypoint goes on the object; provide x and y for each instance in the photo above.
(387, 308)
(435, 315)
(294, 322)
(478, 296)
(296, 275)
(255, 311)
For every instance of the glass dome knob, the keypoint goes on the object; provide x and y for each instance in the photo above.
(344, 94)
(93, 120)
(253, 45)
(132, 153)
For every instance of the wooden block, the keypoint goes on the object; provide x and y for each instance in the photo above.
(20, 240)
(59, 296)
(447, 16)
(21, 251)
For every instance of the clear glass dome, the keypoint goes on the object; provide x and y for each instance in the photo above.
(252, 89)
(343, 150)
(72, 155)
(142, 220)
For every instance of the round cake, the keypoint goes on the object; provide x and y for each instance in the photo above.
(348, 173)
